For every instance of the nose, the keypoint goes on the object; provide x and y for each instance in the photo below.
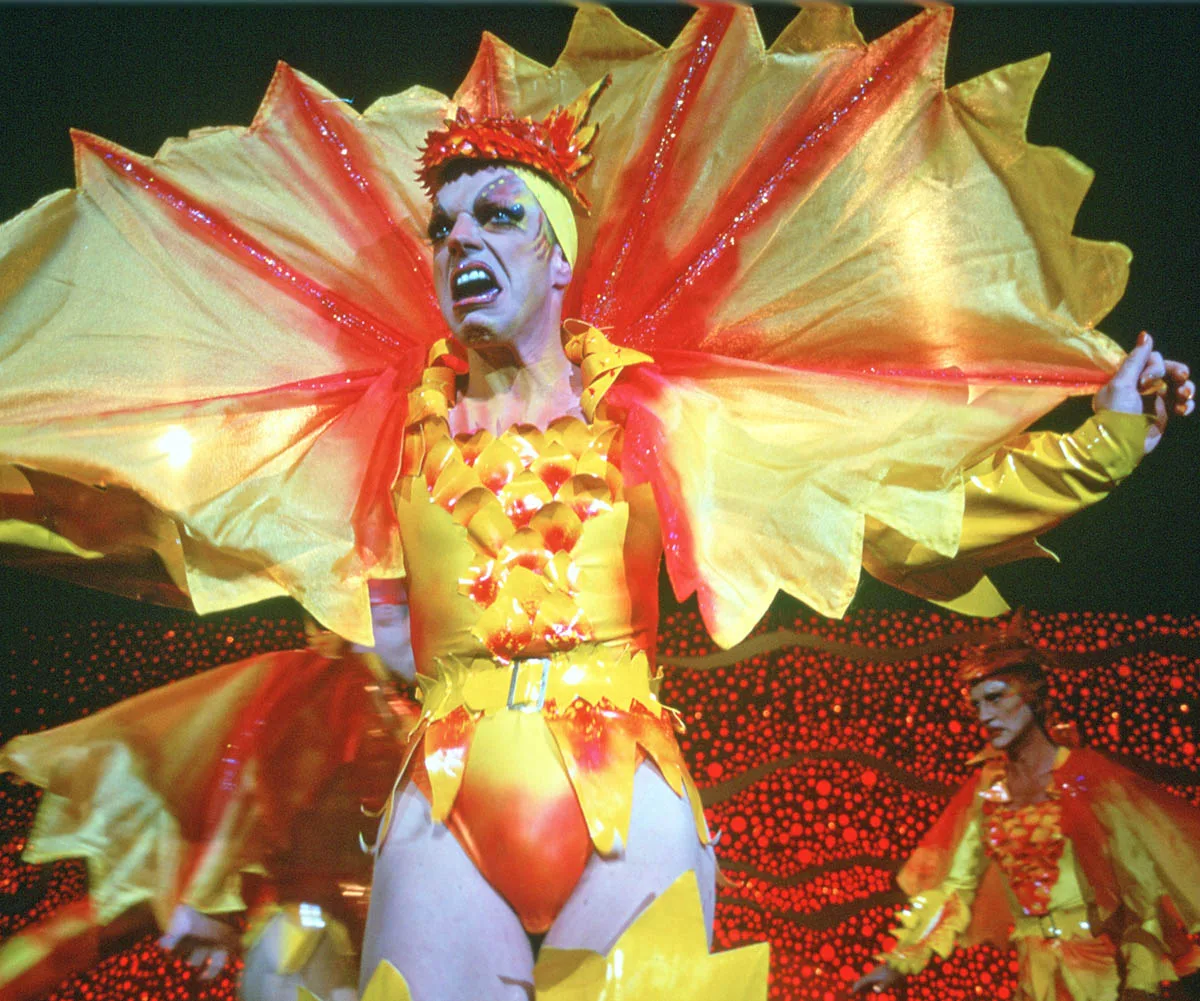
(464, 233)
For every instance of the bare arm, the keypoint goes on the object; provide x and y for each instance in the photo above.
(393, 644)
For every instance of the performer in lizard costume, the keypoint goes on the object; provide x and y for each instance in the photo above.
(813, 346)
(1092, 872)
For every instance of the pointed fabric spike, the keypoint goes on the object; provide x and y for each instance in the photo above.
(817, 27)
(479, 93)
(387, 984)
(662, 956)
(1047, 187)
(598, 37)
(1001, 99)
(496, 78)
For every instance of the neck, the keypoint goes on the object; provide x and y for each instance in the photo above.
(531, 367)
(1033, 752)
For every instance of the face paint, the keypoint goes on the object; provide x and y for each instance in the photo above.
(1003, 709)
(544, 244)
(493, 256)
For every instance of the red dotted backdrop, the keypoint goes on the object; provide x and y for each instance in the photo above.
(824, 749)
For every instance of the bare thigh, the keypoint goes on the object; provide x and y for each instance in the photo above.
(437, 920)
(613, 891)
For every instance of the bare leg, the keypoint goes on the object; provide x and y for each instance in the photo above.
(612, 892)
(437, 920)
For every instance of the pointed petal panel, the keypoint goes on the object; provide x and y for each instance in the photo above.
(662, 956)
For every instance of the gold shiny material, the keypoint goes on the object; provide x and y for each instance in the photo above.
(299, 935)
(386, 984)
(1023, 489)
(590, 672)
(871, 287)
(662, 956)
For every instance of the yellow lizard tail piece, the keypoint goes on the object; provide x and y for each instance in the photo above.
(387, 984)
(662, 955)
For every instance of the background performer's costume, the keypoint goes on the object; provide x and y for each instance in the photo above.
(818, 290)
(1097, 886)
(238, 789)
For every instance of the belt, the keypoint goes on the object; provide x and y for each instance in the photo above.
(1071, 922)
(619, 674)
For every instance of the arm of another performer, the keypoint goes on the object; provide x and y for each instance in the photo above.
(934, 919)
(1037, 481)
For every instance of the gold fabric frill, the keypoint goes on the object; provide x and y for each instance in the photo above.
(662, 956)
(173, 795)
(229, 329)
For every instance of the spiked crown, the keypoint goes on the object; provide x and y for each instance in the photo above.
(556, 147)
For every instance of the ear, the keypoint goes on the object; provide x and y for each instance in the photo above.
(560, 269)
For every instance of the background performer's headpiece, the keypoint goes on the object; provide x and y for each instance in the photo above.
(1012, 649)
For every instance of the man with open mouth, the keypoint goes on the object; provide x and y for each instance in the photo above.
(791, 357)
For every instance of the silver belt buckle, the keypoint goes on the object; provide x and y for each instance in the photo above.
(526, 705)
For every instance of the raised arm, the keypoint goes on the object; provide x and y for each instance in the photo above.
(1037, 481)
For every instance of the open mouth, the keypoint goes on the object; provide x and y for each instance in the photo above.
(473, 283)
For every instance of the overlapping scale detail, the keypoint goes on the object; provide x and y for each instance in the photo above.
(525, 498)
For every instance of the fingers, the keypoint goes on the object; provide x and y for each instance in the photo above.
(1154, 370)
(1177, 372)
(1180, 389)
(216, 960)
(210, 961)
(1130, 371)
(1151, 373)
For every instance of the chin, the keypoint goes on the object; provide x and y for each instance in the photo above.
(478, 332)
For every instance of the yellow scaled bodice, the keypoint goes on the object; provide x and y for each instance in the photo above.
(527, 543)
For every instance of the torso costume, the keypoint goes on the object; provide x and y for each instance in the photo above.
(776, 419)
(1097, 885)
(533, 575)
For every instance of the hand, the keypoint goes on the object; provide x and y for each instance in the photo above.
(881, 978)
(203, 940)
(1170, 389)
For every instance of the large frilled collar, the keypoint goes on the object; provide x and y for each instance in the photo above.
(600, 362)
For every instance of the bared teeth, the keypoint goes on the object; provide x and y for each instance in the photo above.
(472, 282)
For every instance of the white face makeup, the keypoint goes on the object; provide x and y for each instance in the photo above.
(496, 265)
(1001, 707)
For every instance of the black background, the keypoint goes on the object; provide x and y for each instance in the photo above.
(1121, 95)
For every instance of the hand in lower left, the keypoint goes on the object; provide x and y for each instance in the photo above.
(204, 941)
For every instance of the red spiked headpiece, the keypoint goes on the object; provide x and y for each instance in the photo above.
(555, 147)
